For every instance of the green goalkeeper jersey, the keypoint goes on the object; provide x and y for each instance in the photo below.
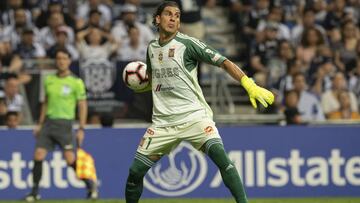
(62, 95)
(177, 95)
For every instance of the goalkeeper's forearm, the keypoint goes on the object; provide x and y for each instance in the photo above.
(234, 70)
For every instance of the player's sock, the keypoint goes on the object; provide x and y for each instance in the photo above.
(134, 183)
(91, 186)
(215, 149)
(37, 173)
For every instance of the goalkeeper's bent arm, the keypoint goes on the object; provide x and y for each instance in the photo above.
(255, 92)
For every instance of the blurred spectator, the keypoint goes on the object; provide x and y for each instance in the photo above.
(309, 106)
(131, 49)
(275, 16)
(107, 120)
(278, 65)
(336, 15)
(292, 114)
(329, 100)
(62, 42)
(320, 8)
(94, 43)
(13, 99)
(320, 73)
(142, 16)
(12, 120)
(8, 61)
(34, 6)
(285, 83)
(239, 14)
(345, 55)
(28, 48)
(345, 111)
(54, 6)
(3, 109)
(93, 118)
(83, 13)
(8, 16)
(259, 12)
(12, 33)
(292, 9)
(11, 65)
(48, 33)
(353, 9)
(307, 22)
(129, 18)
(354, 81)
(265, 50)
(311, 41)
(191, 21)
(94, 20)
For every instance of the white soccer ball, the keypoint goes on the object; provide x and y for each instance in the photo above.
(135, 76)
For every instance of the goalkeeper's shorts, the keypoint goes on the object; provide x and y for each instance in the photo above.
(161, 140)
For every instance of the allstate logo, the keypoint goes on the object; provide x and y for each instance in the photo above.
(177, 174)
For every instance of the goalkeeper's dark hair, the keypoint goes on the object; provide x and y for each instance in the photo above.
(160, 8)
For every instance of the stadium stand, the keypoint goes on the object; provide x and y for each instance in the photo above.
(322, 37)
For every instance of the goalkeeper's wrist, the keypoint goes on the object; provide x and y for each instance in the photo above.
(246, 82)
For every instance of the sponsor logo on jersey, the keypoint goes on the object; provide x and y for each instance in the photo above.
(182, 172)
(159, 88)
(165, 72)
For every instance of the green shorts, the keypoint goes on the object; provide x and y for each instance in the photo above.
(56, 132)
(162, 140)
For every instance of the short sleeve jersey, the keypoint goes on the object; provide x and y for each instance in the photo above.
(62, 96)
(177, 95)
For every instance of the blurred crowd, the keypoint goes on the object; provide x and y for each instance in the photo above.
(306, 51)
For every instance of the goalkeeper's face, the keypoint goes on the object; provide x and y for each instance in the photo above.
(169, 20)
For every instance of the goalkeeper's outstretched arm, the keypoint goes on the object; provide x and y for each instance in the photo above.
(255, 92)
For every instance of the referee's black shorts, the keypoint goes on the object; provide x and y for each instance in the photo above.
(56, 132)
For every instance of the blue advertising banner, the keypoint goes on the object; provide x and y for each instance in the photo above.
(273, 162)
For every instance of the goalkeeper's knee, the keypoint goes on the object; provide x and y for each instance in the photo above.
(139, 168)
(215, 150)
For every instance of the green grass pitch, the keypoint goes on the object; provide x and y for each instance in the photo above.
(165, 200)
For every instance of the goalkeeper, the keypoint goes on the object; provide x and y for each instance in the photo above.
(180, 112)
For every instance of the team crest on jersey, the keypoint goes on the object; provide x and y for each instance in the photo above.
(171, 52)
(66, 90)
(160, 57)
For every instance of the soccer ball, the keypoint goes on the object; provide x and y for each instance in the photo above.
(135, 76)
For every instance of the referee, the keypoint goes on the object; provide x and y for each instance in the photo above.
(63, 92)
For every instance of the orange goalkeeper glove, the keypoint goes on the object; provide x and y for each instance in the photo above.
(255, 92)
